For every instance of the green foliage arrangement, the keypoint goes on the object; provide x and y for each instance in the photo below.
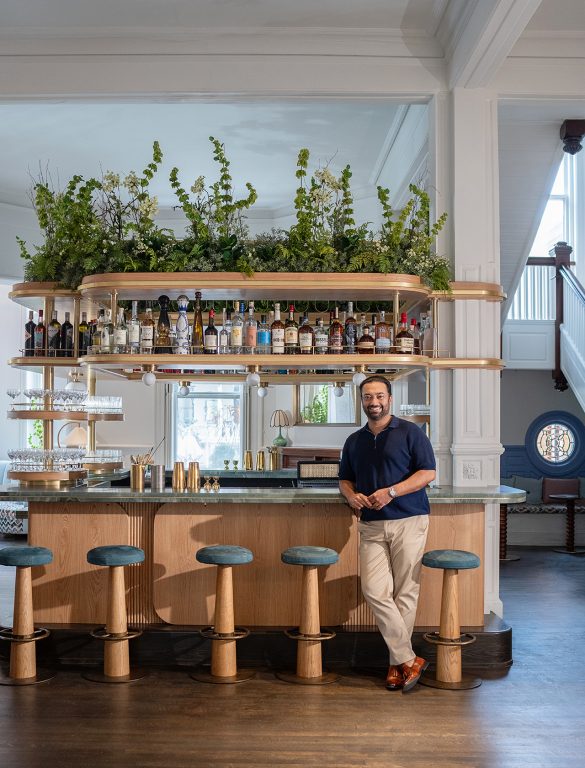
(108, 225)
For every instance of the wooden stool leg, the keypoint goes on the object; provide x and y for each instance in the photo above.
(116, 652)
(309, 662)
(449, 657)
(23, 655)
(223, 652)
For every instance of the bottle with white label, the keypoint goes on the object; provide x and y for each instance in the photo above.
(237, 334)
(147, 333)
(383, 334)
(277, 332)
(120, 334)
(321, 338)
(404, 341)
(182, 328)
(134, 330)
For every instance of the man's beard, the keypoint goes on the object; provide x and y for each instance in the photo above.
(380, 412)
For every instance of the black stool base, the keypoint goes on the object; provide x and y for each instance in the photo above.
(97, 676)
(510, 559)
(466, 683)
(203, 675)
(291, 677)
(42, 676)
(565, 551)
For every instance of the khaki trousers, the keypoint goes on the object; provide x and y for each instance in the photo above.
(390, 563)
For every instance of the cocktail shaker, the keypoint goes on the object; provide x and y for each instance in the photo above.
(260, 465)
(179, 476)
(157, 477)
(248, 460)
(193, 476)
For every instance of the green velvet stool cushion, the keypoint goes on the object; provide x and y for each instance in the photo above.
(309, 556)
(224, 554)
(457, 559)
(25, 556)
(115, 554)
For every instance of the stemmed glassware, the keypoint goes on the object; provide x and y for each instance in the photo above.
(13, 394)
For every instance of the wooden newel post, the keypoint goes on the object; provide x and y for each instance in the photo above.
(562, 256)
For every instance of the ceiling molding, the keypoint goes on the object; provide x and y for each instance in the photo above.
(248, 40)
(477, 49)
(544, 45)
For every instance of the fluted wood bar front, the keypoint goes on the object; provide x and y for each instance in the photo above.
(172, 588)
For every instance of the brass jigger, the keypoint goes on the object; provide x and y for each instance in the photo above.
(193, 476)
(179, 476)
(248, 460)
(260, 465)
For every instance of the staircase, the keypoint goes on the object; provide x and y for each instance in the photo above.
(572, 334)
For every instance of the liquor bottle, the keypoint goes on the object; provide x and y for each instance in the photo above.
(415, 333)
(251, 331)
(321, 338)
(197, 335)
(96, 337)
(291, 333)
(54, 336)
(263, 337)
(121, 334)
(237, 334)
(40, 337)
(428, 336)
(134, 330)
(361, 325)
(147, 333)
(335, 335)
(107, 346)
(66, 341)
(83, 335)
(163, 328)
(350, 331)
(383, 335)
(366, 343)
(182, 328)
(29, 336)
(225, 333)
(404, 342)
(277, 332)
(306, 337)
(210, 335)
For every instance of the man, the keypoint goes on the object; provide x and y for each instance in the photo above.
(385, 468)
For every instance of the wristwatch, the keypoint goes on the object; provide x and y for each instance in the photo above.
(392, 492)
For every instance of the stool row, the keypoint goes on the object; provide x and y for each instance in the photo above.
(116, 634)
(224, 633)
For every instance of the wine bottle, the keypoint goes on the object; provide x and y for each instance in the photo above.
(40, 337)
(66, 342)
(54, 336)
(83, 335)
(197, 335)
(29, 336)
(210, 335)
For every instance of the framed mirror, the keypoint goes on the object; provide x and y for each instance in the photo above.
(326, 403)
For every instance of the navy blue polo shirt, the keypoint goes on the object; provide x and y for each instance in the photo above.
(378, 461)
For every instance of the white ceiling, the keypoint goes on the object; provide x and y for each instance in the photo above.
(261, 137)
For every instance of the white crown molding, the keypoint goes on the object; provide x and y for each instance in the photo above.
(225, 41)
(545, 45)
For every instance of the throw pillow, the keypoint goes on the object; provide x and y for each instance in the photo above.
(532, 486)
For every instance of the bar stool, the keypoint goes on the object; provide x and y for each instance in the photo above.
(116, 633)
(309, 636)
(23, 635)
(224, 633)
(449, 639)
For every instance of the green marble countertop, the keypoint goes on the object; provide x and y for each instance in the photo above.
(501, 494)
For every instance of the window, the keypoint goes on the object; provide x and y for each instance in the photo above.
(554, 443)
(535, 296)
(209, 424)
(319, 404)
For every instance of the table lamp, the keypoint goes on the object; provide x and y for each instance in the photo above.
(279, 419)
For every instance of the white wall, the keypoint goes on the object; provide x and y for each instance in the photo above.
(527, 394)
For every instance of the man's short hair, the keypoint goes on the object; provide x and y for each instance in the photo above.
(377, 377)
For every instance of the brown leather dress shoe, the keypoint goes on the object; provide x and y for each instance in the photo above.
(394, 678)
(412, 674)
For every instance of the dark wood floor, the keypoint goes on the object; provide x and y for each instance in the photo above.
(531, 717)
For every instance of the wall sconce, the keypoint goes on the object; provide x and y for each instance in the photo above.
(279, 419)
(359, 376)
(572, 132)
(253, 377)
(262, 390)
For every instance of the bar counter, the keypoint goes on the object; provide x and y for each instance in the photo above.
(172, 588)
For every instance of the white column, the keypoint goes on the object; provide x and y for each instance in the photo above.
(465, 131)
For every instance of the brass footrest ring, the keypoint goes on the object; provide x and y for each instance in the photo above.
(435, 639)
(38, 634)
(237, 634)
(295, 634)
(101, 634)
